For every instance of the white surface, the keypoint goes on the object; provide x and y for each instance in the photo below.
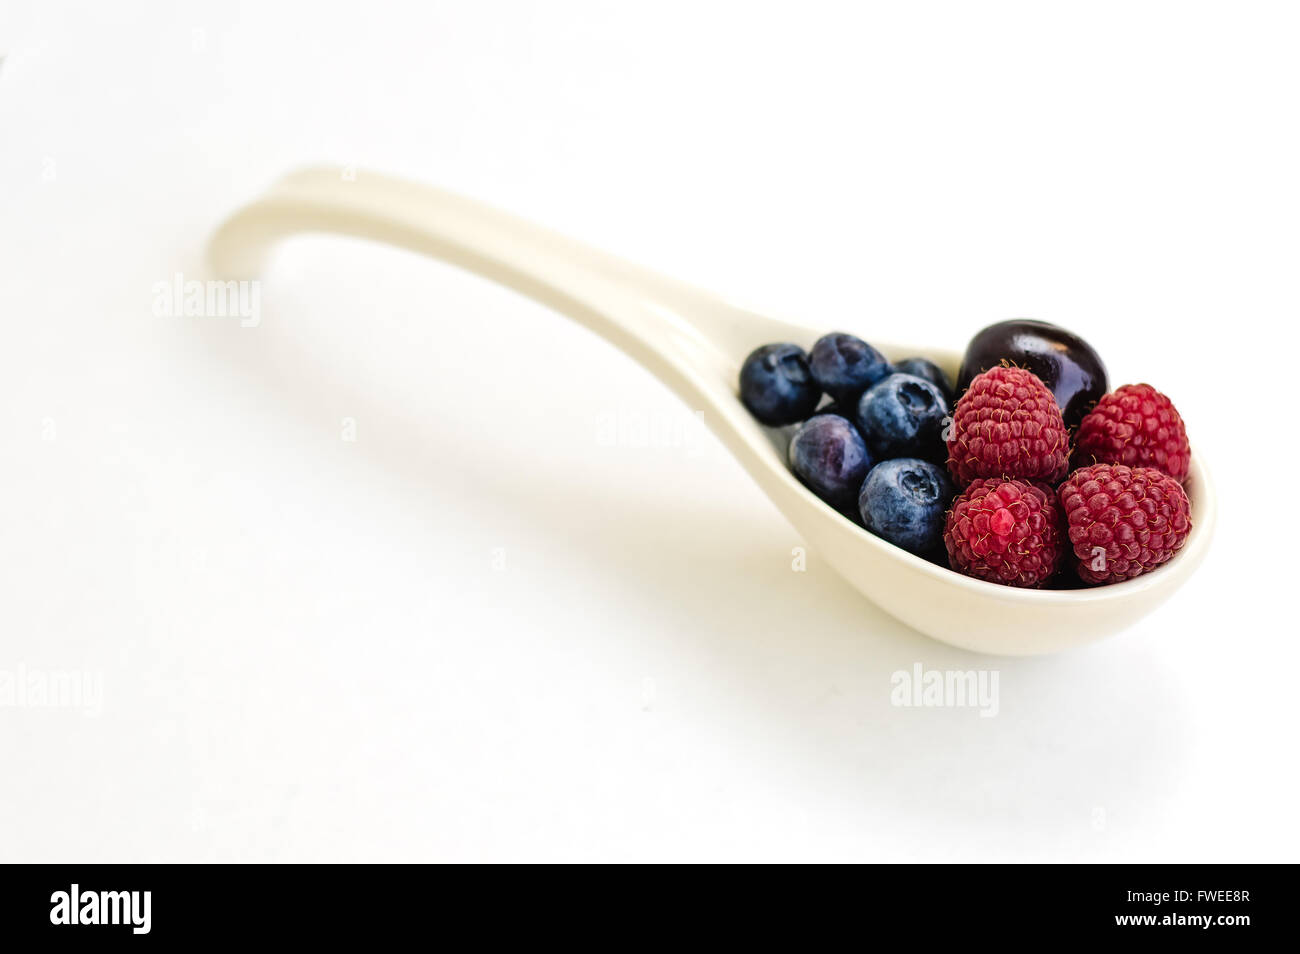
(695, 343)
(305, 649)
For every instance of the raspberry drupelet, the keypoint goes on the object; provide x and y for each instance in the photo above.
(1007, 424)
(1123, 521)
(1005, 531)
(1137, 426)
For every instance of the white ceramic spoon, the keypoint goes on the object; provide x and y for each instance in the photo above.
(695, 343)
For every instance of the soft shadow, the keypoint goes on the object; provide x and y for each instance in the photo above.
(800, 655)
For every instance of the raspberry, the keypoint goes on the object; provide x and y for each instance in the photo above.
(1123, 521)
(1007, 424)
(1137, 426)
(1005, 531)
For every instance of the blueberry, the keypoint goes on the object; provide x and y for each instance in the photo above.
(829, 455)
(776, 385)
(904, 501)
(929, 371)
(846, 366)
(903, 416)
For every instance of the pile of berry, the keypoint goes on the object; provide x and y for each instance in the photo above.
(991, 478)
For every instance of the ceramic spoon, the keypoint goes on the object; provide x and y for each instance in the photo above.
(695, 343)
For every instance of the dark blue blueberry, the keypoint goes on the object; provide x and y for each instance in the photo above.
(846, 366)
(776, 385)
(928, 371)
(905, 500)
(903, 416)
(828, 454)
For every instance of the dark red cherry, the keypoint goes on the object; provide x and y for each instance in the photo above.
(1065, 362)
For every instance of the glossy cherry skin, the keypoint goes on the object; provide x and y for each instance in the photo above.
(1065, 362)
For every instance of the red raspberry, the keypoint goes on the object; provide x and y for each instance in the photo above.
(1138, 426)
(1005, 531)
(1007, 424)
(1123, 521)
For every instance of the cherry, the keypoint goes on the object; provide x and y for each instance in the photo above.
(1066, 363)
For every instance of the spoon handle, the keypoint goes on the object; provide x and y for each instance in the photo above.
(686, 337)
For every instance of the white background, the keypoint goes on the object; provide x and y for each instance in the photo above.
(306, 649)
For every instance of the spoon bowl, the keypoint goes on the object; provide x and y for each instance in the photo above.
(695, 343)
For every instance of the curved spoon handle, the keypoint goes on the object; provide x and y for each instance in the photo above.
(687, 338)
